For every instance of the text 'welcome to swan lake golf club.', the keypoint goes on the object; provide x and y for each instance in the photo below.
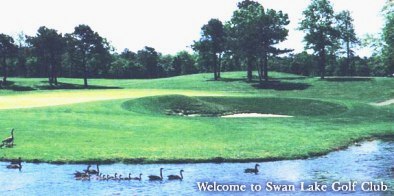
(351, 186)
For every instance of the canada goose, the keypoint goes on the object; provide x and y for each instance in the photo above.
(92, 171)
(255, 170)
(15, 165)
(19, 160)
(176, 177)
(78, 174)
(137, 178)
(87, 169)
(99, 176)
(127, 178)
(114, 177)
(153, 177)
(9, 140)
(83, 176)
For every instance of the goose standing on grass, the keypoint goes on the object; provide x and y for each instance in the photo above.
(155, 178)
(176, 177)
(251, 170)
(9, 140)
(15, 164)
(137, 178)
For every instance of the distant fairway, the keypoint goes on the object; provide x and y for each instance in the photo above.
(128, 120)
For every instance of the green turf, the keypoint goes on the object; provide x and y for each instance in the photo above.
(328, 115)
(217, 106)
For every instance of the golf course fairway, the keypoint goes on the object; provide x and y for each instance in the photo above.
(135, 121)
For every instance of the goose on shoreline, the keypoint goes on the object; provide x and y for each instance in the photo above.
(9, 141)
(15, 164)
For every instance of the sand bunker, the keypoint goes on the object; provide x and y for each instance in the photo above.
(255, 115)
(384, 103)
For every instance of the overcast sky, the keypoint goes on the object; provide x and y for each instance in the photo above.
(167, 25)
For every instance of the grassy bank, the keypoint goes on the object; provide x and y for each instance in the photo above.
(328, 115)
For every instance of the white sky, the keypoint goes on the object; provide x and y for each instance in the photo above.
(167, 25)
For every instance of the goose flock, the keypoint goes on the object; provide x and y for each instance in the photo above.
(88, 174)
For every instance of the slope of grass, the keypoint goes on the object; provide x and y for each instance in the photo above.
(329, 115)
(364, 89)
(214, 106)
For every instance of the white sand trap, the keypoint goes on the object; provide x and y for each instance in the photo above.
(384, 103)
(255, 115)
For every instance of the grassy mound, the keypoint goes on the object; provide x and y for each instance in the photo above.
(176, 105)
(217, 106)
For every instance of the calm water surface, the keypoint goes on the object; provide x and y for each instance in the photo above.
(372, 161)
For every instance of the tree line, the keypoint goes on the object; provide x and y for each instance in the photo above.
(248, 41)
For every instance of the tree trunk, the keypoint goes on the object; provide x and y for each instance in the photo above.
(322, 63)
(250, 70)
(215, 75)
(265, 68)
(85, 73)
(5, 72)
(50, 74)
(219, 65)
(347, 49)
(54, 72)
(348, 58)
(260, 71)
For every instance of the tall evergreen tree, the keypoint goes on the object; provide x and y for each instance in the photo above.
(348, 36)
(148, 58)
(388, 38)
(212, 41)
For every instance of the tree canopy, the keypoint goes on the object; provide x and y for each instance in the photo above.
(7, 50)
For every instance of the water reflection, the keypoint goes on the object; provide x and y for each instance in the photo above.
(370, 161)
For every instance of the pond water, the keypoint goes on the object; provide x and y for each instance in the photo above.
(370, 161)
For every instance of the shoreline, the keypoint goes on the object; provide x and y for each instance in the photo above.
(217, 160)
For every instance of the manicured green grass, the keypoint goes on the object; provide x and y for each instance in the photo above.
(216, 106)
(329, 114)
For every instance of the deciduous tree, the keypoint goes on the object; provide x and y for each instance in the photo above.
(48, 46)
(319, 26)
(7, 50)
